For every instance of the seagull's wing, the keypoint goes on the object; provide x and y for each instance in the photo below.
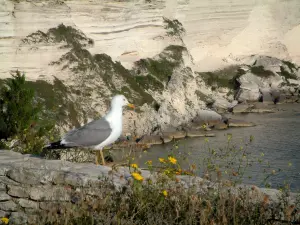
(90, 134)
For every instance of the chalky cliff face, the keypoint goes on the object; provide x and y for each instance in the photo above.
(78, 54)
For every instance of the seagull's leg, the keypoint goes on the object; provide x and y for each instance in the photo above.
(97, 157)
(103, 161)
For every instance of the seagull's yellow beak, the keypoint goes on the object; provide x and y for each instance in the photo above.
(130, 105)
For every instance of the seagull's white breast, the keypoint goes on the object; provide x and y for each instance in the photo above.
(115, 121)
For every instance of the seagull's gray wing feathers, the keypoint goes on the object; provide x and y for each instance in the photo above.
(91, 134)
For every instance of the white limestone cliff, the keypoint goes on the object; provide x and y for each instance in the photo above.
(217, 34)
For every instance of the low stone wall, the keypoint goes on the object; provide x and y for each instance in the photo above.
(30, 185)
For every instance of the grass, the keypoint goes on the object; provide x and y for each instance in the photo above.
(287, 74)
(174, 27)
(225, 77)
(261, 72)
(160, 69)
(56, 101)
(62, 33)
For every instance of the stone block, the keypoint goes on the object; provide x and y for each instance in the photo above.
(18, 218)
(4, 196)
(50, 193)
(24, 176)
(16, 191)
(4, 214)
(25, 203)
(8, 206)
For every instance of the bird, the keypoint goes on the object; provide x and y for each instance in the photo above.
(98, 133)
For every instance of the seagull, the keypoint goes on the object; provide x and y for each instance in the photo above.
(98, 133)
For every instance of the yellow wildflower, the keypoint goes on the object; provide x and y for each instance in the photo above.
(162, 160)
(133, 165)
(137, 176)
(4, 220)
(172, 160)
(178, 172)
(206, 140)
(149, 162)
(165, 193)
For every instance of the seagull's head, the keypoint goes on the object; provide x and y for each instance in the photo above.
(120, 101)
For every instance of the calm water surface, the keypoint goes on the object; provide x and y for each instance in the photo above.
(277, 136)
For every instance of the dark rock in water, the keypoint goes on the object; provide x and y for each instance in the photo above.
(151, 140)
(221, 126)
(239, 123)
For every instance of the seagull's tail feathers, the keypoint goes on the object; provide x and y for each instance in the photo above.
(56, 145)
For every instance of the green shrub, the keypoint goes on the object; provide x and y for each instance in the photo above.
(22, 127)
(18, 110)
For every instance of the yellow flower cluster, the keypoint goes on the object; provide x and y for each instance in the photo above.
(172, 160)
(4, 220)
(165, 193)
(137, 176)
(133, 165)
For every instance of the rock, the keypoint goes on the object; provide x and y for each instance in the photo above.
(4, 168)
(4, 214)
(239, 123)
(24, 176)
(25, 203)
(18, 218)
(175, 134)
(266, 95)
(8, 206)
(2, 187)
(199, 134)
(4, 196)
(49, 193)
(294, 82)
(166, 139)
(7, 181)
(242, 108)
(70, 178)
(261, 107)
(269, 63)
(151, 139)
(206, 115)
(221, 105)
(16, 191)
(248, 92)
(221, 126)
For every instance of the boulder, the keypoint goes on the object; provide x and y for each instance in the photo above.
(248, 92)
(206, 115)
(221, 105)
